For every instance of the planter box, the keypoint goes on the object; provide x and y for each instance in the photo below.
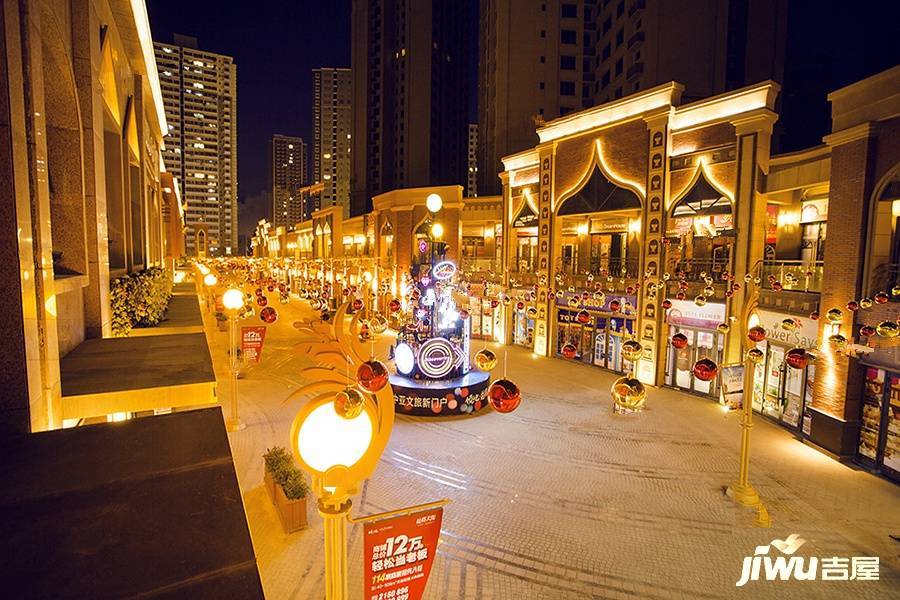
(270, 484)
(292, 512)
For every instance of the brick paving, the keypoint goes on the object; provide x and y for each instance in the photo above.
(564, 499)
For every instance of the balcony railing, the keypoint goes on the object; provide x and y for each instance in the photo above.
(793, 275)
(696, 269)
(476, 269)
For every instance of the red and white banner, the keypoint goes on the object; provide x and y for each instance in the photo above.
(252, 343)
(398, 555)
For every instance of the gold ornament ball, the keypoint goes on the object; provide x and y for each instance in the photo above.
(628, 393)
(378, 324)
(485, 360)
(789, 324)
(865, 303)
(837, 341)
(349, 403)
(700, 301)
(834, 315)
(723, 327)
(632, 350)
(755, 355)
(887, 329)
(895, 291)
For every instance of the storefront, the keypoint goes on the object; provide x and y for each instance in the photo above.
(593, 333)
(698, 324)
(486, 320)
(781, 392)
(879, 432)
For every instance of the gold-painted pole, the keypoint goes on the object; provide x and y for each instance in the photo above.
(234, 421)
(334, 514)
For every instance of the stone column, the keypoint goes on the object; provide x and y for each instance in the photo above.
(543, 338)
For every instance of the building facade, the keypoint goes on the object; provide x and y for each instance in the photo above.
(200, 95)
(411, 76)
(287, 174)
(83, 176)
(332, 107)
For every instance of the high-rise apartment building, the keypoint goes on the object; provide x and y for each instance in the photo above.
(472, 173)
(200, 96)
(411, 83)
(332, 105)
(287, 174)
(541, 60)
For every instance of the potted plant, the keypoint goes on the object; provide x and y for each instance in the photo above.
(287, 488)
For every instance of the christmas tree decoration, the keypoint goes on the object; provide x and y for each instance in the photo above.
(268, 315)
(756, 334)
(349, 403)
(705, 369)
(895, 291)
(679, 341)
(632, 350)
(797, 358)
(504, 396)
(887, 329)
(485, 360)
(615, 305)
(372, 375)
(814, 315)
(628, 393)
(834, 315)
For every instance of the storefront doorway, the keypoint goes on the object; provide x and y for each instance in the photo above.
(698, 324)
(879, 433)
(523, 327)
(597, 342)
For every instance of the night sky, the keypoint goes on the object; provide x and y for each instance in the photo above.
(275, 44)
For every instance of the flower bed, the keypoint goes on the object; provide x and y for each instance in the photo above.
(139, 299)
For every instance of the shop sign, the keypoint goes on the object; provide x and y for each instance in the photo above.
(771, 223)
(443, 270)
(252, 339)
(591, 304)
(804, 336)
(603, 225)
(732, 386)
(687, 314)
(528, 220)
(398, 555)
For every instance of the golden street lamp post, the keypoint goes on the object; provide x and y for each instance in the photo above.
(233, 301)
(742, 491)
(339, 435)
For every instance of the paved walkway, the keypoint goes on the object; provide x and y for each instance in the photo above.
(564, 499)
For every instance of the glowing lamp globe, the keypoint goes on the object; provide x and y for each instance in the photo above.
(210, 280)
(679, 341)
(485, 360)
(372, 375)
(504, 396)
(326, 439)
(628, 393)
(434, 203)
(705, 369)
(631, 350)
(887, 329)
(437, 231)
(569, 350)
(233, 299)
(268, 315)
(756, 334)
(797, 358)
(404, 358)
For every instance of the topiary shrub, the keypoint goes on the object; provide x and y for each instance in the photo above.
(285, 473)
(139, 299)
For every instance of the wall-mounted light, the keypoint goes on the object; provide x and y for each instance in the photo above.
(634, 226)
(582, 229)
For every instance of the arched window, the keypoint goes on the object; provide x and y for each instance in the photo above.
(884, 237)
(702, 223)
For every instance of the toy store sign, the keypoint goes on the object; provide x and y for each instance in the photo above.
(688, 314)
(591, 304)
(804, 336)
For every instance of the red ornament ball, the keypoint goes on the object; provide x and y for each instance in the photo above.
(814, 315)
(357, 304)
(679, 341)
(777, 286)
(268, 315)
(853, 306)
(504, 396)
(705, 369)
(568, 350)
(615, 305)
(520, 305)
(394, 305)
(867, 331)
(630, 290)
(463, 314)
(495, 303)
(797, 358)
(270, 287)
(372, 375)
(259, 291)
(667, 304)
(262, 300)
(756, 334)
(583, 317)
(680, 296)
(881, 298)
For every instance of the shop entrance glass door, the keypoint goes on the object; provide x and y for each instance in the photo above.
(879, 434)
(701, 344)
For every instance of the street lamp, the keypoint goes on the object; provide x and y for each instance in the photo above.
(233, 301)
(742, 491)
(437, 231)
(209, 281)
(339, 435)
(434, 203)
